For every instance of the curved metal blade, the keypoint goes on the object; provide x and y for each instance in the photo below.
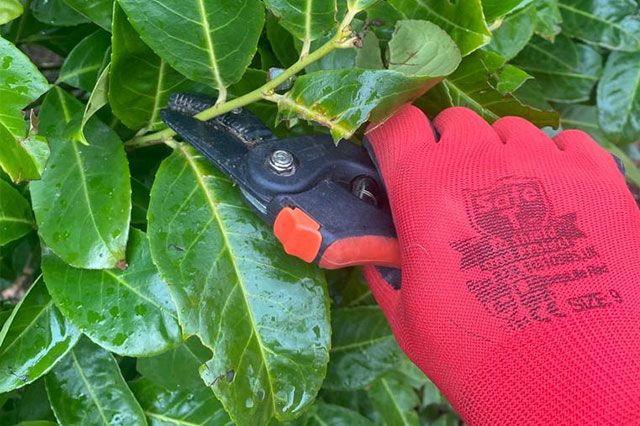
(224, 140)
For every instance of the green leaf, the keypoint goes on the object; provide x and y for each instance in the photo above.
(447, 419)
(16, 219)
(34, 338)
(177, 368)
(369, 56)
(612, 24)
(495, 9)
(363, 348)
(56, 12)
(619, 98)
(410, 374)
(144, 164)
(385, 17)
(585, 118)
(82, 203)
(412, 55)
(514, 33)
(179, 407)
(56, 112)
(212, 42)
(395, 400)
(141, 82)
(99, 11)
(322, 414)
(420, 54)
(463, 20)
(263, 313)
(337, 59)
(566, 71)
(99, 98)
(359, 5)
(87, 388)
(305, 19)
(82, 67)
(128, 312)
(282, 42)
(549, 19)
(20, 84)
(473, 86)
(510, 79)
(9, 10)
(28, 405)
(351, 291)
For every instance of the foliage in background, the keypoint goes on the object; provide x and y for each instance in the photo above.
(163, 299)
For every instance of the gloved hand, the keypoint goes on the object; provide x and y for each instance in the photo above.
(520, 292)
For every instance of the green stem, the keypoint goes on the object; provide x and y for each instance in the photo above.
(341, 40)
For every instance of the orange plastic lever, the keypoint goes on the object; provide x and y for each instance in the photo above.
(301, 237)
(299, 233)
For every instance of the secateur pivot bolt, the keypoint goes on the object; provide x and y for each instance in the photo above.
(282, 162)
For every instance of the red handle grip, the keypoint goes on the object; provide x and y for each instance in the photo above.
(300, 236)
(364, 250)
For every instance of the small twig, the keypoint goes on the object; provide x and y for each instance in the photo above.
(342, 39)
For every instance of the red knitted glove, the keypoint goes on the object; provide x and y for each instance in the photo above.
(520, 293)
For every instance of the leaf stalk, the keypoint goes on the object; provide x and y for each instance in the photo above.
(341, 40)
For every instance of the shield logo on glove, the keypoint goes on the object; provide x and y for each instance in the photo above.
(513, 206)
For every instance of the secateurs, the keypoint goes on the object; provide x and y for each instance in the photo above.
(326, 203)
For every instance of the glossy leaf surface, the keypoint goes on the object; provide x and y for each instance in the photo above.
(494, 9)
(395, 400)
(56, 112)
(344, 99)
(56, 12)
(566, 71)
(208, 41)
(98, 99)
(619, 98)
(473, 86)
(87, 388)
(358, 5)
(9, 10)
(99, 11)
(510, 79)
(20, 84)
(463, 20)
(179, 407)
(34, 338)
(322, 414)
(305, 19)
(82, 203)
(263, 313)
(140, 82)
(178, 367)
(128, 312)
(16, 219)
(613, 24)
(83, 65)
(514, 33)
(549, 19)
(363, 348)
